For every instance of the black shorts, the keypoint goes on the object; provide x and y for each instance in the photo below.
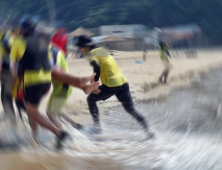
(34, 94)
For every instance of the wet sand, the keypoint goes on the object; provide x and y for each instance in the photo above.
(47, 161)
(122, 150)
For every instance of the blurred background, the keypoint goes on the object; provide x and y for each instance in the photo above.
(185, 114)
(134, 20)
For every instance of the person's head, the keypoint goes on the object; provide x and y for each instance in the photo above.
(27, 27)
(84, 43)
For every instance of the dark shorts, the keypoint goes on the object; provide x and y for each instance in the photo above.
(34, 94)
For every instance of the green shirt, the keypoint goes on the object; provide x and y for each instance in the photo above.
(163, 56)
(62, 64)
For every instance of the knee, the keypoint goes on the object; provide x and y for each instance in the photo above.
(32, 112)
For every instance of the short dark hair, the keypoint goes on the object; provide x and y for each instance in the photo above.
(28, 27)
(84, 41)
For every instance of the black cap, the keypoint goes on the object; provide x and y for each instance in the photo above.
(84, 41)
(28, 26)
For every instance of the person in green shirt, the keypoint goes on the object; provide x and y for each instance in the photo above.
(113, 83)
(62, 91)
(144, 55)
(165, 57)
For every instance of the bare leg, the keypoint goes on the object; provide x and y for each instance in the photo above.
(166, 74)
(74, 124)
(161, 76)
(35, 118)
(54, 120)
(34, 127)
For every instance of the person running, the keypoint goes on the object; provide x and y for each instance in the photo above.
(113, 83)
(144, 55)
(79, 82)
(165, 57)
(61, 91)
(6, 40)
(32, 54)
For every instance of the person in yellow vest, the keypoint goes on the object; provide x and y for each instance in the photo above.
(113, 83)
(8, 84)
(144, 55)
(165, 57)
(33, 57)
(31, 52)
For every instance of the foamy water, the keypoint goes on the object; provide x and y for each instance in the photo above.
(188, 135)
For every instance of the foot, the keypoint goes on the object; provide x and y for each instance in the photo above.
(61, 139)
(87, 79)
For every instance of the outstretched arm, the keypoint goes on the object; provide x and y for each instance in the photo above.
(79, 82)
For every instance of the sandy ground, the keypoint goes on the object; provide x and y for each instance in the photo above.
(143, 85)
(143, 78)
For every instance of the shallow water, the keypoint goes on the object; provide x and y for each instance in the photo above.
(187, 126)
